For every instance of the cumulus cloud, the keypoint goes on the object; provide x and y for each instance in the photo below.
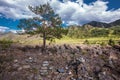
(76, 12)
(16, 31)
(17, 9)
(3, 29)
(79, 13)
(13, 31)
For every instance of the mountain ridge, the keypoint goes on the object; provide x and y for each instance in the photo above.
(103, 24)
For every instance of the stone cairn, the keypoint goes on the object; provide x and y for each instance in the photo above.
(44, 68)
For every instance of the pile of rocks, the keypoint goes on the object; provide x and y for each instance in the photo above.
(44, 68)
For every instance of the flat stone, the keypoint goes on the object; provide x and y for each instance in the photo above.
(51, 67)
(45, 62)
(16, 65)
(79, 79)
(72, 79)
(43, 71)
(29, 60)
(39, 77)
(15, 60)
(26, 66)
(82, 60)
(66, 68)
(61, 70)
(44, 68)
(45, 65)
(69, 72)
(20, 68)
(30, 57)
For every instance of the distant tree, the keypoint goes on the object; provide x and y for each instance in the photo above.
(78, 32)
(116, 30)
(47, 24)
(99, 32)
(111, 42)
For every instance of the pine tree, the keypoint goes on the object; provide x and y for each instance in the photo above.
(47, 23)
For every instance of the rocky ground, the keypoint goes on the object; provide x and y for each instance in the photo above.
(60, 62)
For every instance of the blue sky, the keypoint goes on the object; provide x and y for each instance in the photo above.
(71, 11)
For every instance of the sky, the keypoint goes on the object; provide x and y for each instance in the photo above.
(72, 12)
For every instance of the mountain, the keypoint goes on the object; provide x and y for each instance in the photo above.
(115, 23)
(102, 24)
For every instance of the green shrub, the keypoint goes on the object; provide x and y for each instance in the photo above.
(5, 43)
(86, 42)
(119, 42)
(102, 44)
(116, 30)
(111, 42)
(99, 32)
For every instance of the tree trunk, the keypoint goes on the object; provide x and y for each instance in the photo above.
(44, 41)
(44, 37)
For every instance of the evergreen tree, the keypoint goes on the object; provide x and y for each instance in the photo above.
(47, 23)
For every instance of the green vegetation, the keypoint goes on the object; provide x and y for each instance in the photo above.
(91, 35)
(93, 40)
(116, 30)
(5, 43)
(89, 31)
(86, 42)
(101, 32)
(111, 42)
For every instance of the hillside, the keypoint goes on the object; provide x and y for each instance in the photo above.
(74, 35)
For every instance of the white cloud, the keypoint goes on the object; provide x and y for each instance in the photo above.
(16, 31)
(17, 9)
(13, 31)
(3, 29)
(71, 12)
(80, 13)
